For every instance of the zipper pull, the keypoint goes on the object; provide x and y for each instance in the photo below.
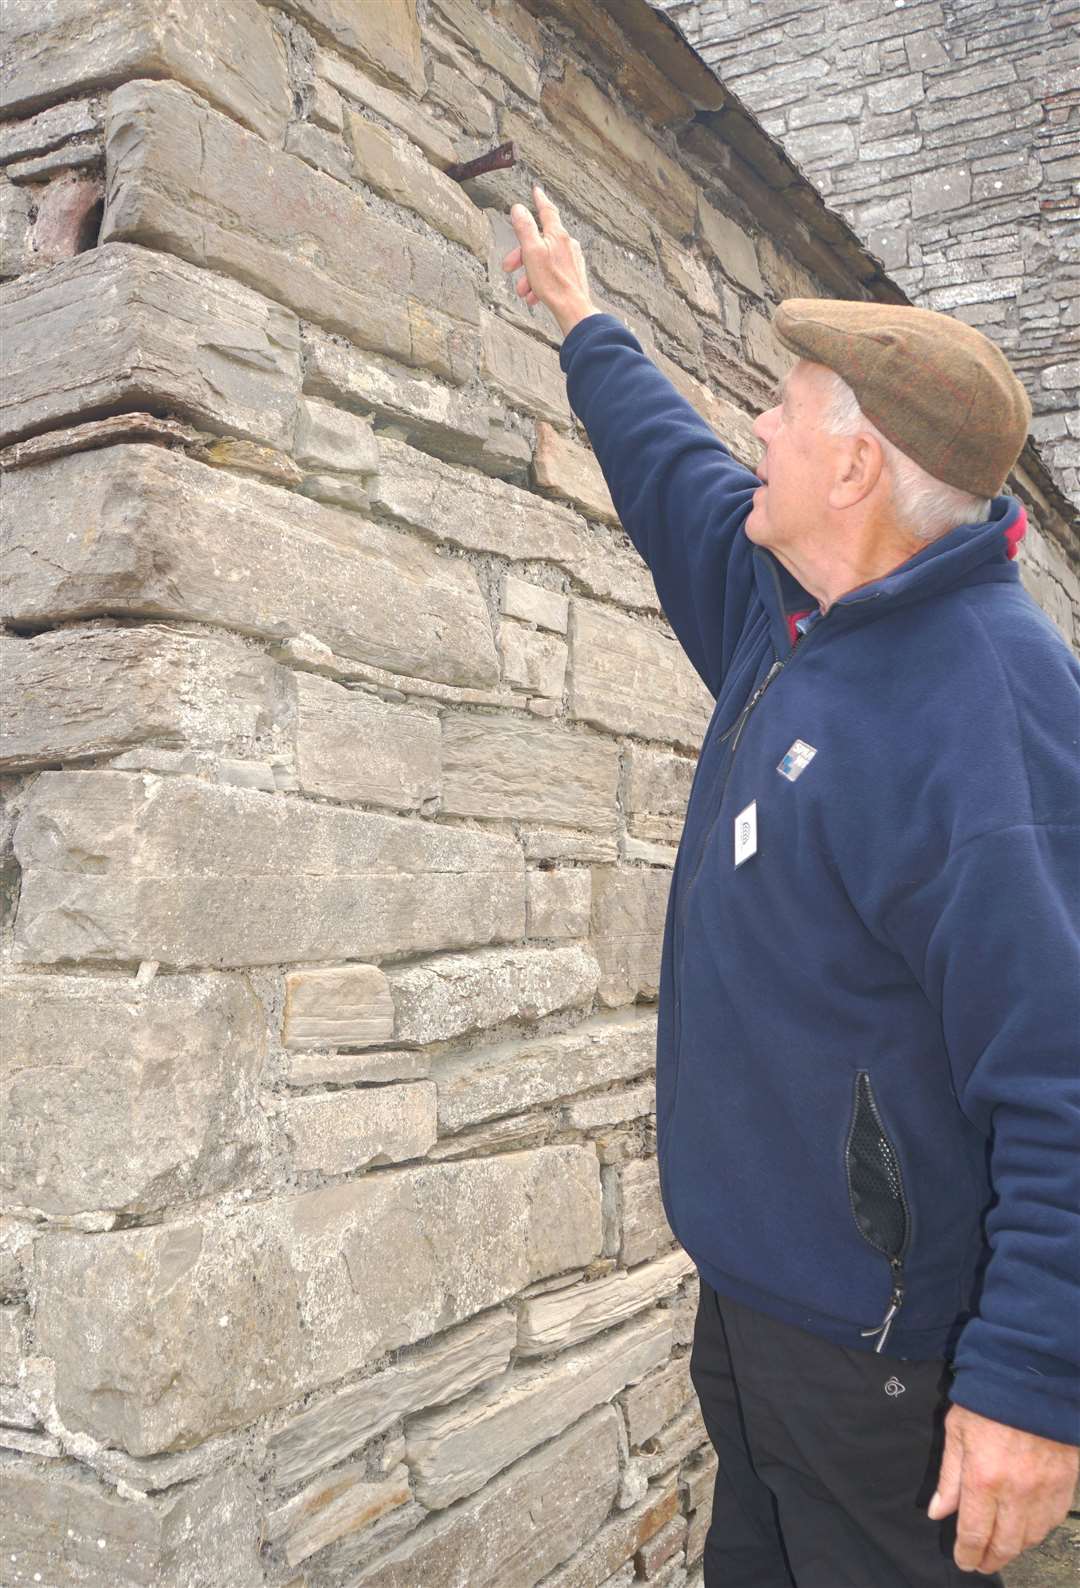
(896, 1301)
(737, 725)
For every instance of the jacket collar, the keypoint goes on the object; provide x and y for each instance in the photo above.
(969, 554)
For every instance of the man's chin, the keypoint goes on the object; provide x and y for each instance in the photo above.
(756, 526)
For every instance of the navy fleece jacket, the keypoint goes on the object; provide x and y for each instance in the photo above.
(868, 1060)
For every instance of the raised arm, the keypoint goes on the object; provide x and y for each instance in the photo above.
(681, 496)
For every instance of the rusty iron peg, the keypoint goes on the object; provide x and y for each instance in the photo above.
(500, 159)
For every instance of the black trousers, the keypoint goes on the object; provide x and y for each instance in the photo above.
(828, 1459)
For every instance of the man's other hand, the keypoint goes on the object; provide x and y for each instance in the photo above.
(554, 263)
(1008, 1487)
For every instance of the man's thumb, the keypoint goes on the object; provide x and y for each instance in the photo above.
(947, 1494)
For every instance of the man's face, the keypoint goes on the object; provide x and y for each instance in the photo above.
(796, 471)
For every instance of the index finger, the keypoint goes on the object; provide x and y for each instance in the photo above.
(974, 1525)
(548, 213)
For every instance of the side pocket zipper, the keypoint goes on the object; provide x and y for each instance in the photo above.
(876, 1192)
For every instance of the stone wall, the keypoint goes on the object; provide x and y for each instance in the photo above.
(948, 133)
(344, 761)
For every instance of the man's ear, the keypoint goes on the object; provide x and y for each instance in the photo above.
(860, 463)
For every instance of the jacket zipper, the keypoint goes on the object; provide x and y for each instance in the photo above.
(895, 1259)
(736, 729)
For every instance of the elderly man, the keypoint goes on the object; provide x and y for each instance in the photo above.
(867, 1060)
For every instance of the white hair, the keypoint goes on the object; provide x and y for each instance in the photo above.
(926, 507)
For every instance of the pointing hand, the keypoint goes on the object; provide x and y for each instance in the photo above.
(553, 262)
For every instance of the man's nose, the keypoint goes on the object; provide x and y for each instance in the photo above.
(764, 424)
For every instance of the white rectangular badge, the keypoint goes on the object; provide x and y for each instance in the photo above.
(746, 833)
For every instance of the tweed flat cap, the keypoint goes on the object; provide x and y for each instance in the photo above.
(937, 388)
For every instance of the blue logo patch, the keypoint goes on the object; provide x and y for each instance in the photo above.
(797, 760)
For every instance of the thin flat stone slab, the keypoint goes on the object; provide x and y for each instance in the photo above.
(629, 906)
(519, 1075)
(165, 1335)
(562, 1318)
(342, 1504)
(444, 1370)
(123, 866)
(121, 326)
(341, 1131)
(522, 1525)
(385, 37)
(126, 1098)
(617, 1541)
(186, 179)
(453, 994)
(165, 536)
(342, 1006)
(64, 1527)
(455, 1451)
(96, 690)
(528, 770)
(627, 677)
(230, 54)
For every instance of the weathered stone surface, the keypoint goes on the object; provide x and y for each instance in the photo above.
(401, 111)
(62, 1526)
(536, 662)
(348, 1006)
(732, 425)
(310, 1287)
(520, 1075)
(690, 276)
(628, 909)
(230, 55)
(386, 37)
(644, 1223)
(343, 1069)
(625, 273)
(944, 188)
(119, 866)
(589, 187)
(16, 251)
(353, 746)
(600, 1559)
(48, 129)
(655, 790)
(601, 130)
(358, 1129)
(124, 1098)
(124, 325)
(629, 678)
(375, 282)
(330, 438)
(524, 370)
(733, 249)
(609, 1108)
(67, 210)
(661, 1549)
(498, 49)
(394, 167)
(502, 1135)
(471, 511)
(548, 609)
(683, 1436)
(697, 1481)
(571, 471)
(248, 457)
(563, 1317)
(339, 1505)
(170, 537)
(88, 691)
(453, 1452)
(504, 766)
(553, 843)
(1054, 1564)
(456, 993)
(657, 1399)
(557, 903)
(522, 1524)
(445, 1370)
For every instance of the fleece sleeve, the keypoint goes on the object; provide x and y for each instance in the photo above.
(681, 496)
(995, 940)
